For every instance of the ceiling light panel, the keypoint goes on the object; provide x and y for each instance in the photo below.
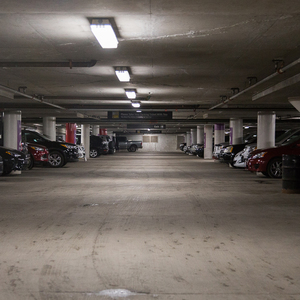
(104, 33)
(123, 74)
(131, 94)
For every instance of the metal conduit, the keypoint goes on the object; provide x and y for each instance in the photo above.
(3, 87)
(294, 63)
(70, 64)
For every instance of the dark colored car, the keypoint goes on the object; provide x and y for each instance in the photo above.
(197, 149)
(269, 161)
(39, 154)
(111, 143)
(13, 160)
(1, 165)
(98, 146)
(181, 146)
(59, 152)
(230, 151)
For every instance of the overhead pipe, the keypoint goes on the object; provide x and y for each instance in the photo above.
(70, 64)
(34, 98)
(294, 63)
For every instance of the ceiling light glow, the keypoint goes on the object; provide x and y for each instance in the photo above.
(136, 104)
(131, 94)
(104, 33)
(123, 74)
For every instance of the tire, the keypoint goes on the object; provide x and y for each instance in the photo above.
(93, 153)
(31, 162)
(56, 159)
(132, 148)
(6, 171)
(266, 174)
(274, 168)
(112, 151)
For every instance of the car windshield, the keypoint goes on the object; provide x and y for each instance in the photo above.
(286, 136)
(35, 137)
(291, 140)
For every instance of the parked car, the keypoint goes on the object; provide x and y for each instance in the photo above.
(181, 146)
(111, 143)
(39, 155)
(281, 137)
(81, 152)
(124, 143)
(269, 161)
(219, 149)
(1, 165)
(229, 153)
(187, 149)
(13, 160)
(98, 146)
(197, 149)
(59, 152)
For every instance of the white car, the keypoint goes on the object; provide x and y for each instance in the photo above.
(240, 159)
(81, 152)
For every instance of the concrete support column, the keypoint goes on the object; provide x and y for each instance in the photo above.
(208, 141)
(219, 133)
(103, 131)
(188, 138)
(95, 129)
(12, 131)
(49, 127)
(200, 135)
(193, 136)
(266, 122)
(295, 101)
(236, 131)
(71, 133)
(85, 139)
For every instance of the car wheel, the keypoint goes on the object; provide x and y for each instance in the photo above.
(274, 168)
(56, 159)
(132, 148)
(31, 162)
(93, 153)
(232, 164)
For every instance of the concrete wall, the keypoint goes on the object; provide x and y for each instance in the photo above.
(165, 142)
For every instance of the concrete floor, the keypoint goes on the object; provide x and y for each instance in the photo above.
(147, 226)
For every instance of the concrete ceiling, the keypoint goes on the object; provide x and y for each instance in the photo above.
(191, 57)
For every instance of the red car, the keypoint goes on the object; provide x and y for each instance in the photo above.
(38, 154)
(269, 161)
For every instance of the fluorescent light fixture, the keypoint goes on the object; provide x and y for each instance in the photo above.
(136, 104)
(122, 74)
(131, 94)
(104, 33)
(138, 111)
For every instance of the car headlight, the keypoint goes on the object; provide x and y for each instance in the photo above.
(259, 155)
(228, 149)
(69, 146)
(12, 154)
(37, 148)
